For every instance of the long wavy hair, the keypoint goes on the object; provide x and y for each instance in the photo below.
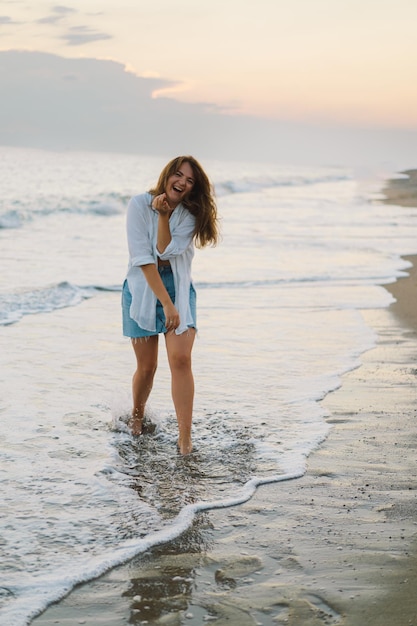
(200, 202)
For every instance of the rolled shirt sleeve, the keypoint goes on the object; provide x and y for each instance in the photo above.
(139, 226)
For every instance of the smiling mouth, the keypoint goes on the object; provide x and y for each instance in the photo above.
(177, 189)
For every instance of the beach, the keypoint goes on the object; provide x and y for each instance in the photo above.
(336, 546)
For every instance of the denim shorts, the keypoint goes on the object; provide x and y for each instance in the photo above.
(132, 329)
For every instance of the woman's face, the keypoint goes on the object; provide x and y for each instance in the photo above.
(179, 184)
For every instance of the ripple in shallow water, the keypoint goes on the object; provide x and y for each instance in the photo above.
(224, 457)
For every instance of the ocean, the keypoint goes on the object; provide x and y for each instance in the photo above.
(303, 252)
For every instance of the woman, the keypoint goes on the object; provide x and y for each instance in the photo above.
(158, 294)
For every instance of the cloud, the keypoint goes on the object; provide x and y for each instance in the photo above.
(61, 9)
(76, 35)
(58, 13)
(80, 35)
(59, 103)
(6, 20)
(50, 19)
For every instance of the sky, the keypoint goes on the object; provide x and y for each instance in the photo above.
(326, 70)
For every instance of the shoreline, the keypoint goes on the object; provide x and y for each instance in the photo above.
(336, 546)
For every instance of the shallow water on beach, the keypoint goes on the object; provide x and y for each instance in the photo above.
(279, 301)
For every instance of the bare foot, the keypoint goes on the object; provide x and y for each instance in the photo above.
(185, 446)
(135, 423)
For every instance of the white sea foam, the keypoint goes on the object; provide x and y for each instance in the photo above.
(13, 306)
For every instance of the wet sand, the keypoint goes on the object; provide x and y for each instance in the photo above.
(337, 546)
(402, 191)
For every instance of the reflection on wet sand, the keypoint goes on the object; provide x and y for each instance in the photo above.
(162, 581)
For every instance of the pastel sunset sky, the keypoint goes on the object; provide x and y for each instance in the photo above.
(340, 63)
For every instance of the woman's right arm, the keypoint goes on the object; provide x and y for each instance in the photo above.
(141, 255)
(137, 230)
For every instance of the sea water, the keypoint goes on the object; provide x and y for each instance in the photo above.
(303, 252)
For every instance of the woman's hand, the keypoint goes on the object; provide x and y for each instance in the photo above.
(172, 317)
(160, 204)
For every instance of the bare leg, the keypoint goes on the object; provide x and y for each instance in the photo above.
(146, 351)
(182, 383)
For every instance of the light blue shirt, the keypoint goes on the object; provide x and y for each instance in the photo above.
(142, 230)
